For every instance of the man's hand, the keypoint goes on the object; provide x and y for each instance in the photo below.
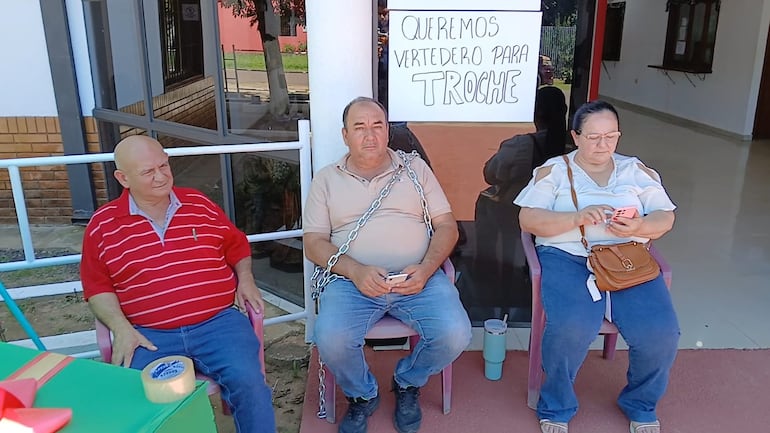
(415, 282)
(125, 343)
(247, 291)
(370, 280)
(126, 338)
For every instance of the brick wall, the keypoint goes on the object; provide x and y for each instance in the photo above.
(191, 104)
(46, 188)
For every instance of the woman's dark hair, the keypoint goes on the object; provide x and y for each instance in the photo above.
(591, 108)
(550, 112)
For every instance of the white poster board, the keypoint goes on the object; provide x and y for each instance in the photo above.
(462, 66)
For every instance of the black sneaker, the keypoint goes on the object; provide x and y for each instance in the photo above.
(358, 412)
(408, 415)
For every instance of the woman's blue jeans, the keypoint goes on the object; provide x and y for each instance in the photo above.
(346, 315)
(225, 349)
(643, 314)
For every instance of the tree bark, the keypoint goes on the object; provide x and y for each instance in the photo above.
(269, 26)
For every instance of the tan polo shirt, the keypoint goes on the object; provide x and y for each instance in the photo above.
(395, 236)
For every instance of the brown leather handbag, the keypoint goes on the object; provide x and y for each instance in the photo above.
(619, 266)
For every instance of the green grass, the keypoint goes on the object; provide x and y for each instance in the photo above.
(256, 61)
(560, 84)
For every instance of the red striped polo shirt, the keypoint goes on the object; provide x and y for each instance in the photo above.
(182, 279)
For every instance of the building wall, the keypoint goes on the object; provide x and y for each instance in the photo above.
(46, 189)
(245, 37)
(25, 77)
(724, 99)
(192, 104)
(29, 123)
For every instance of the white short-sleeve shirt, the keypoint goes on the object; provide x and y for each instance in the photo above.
(631, 184)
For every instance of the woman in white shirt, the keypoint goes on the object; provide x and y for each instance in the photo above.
(574, 308)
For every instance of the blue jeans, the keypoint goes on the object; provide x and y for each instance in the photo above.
(225, 349)
(346, 315)
(643, 314)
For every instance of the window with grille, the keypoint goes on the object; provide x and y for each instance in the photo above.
(181, 40)
(613, 31)
(691, 34)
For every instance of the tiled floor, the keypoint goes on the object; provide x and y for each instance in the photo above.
(719, 249)
(710, 391)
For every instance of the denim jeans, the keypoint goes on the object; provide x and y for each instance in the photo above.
(225, 349)
(346, 315)
(643, 314)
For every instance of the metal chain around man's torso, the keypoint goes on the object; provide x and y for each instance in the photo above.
(323, 276)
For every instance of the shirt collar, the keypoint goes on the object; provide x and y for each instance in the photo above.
(395, 162)
(133, 208)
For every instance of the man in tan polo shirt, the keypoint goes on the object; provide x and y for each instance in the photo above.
(394, 240)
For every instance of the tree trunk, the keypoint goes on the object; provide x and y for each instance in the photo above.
(269, 25)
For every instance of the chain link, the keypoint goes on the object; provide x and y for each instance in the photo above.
(423, 201)
(321, 389)
(323, 276)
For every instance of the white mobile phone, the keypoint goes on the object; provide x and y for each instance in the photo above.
(396, 278)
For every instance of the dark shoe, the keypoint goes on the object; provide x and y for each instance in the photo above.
(408, 415)
(358, 412)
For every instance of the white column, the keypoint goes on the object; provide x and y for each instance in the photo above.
(339, 47)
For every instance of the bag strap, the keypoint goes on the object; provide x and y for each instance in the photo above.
(575, 201)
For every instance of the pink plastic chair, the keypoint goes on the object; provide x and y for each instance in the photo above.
(387, 328)
(104, 340)
(608, 329)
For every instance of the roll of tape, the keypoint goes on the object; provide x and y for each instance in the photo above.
(168, 379)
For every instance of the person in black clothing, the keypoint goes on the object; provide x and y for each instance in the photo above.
(382, 52)
(499, 255)
(402, 138)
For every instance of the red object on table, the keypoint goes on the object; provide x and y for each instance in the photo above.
(17, 395)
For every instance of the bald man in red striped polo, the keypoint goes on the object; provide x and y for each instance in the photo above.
(166, 270)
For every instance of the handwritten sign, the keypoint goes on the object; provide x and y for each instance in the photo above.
(463, 66)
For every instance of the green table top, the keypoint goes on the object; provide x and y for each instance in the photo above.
(104, 397)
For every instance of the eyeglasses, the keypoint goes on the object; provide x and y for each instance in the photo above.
(610, 137)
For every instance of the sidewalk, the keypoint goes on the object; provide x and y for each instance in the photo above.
(44, 237)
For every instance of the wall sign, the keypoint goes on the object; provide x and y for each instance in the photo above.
(190, 12)
(463, 66)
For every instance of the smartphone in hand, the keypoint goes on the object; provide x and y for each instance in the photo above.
(625, 212)
(396, 278)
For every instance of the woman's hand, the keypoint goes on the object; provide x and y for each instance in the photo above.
(625, 227)
(592, 215)
(653, 225)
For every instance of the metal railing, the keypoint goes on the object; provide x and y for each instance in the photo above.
(31, 262)
(558, 43)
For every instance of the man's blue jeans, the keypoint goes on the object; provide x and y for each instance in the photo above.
(225, 349)
(643, 314)
(346, 315)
